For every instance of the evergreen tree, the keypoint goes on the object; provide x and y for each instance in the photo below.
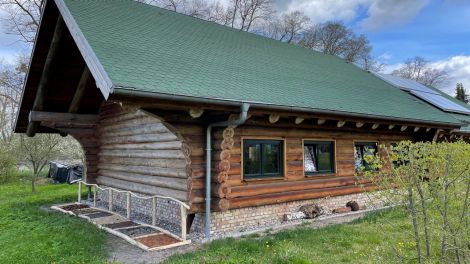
(460, 93)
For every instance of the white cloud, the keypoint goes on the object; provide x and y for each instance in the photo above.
(385, 13)
(380, 13)
(385, 56)
(324, 10)
(458, 68)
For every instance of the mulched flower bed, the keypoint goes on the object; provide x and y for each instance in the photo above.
(121, 225)
(158, 240)
(138, 231)
(74, 207)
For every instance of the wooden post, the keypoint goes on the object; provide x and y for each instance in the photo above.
(79, 192)
(183, 222)
(49, 64)
(154, 211)
(128, 205)
(94, 196)
(110, 200)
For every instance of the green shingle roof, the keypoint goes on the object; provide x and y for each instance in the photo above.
(146, 48)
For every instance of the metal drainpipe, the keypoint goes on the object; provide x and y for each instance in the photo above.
(243, 116)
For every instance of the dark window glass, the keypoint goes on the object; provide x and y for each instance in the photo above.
(361, 151)
(318, 157)
(262, 158)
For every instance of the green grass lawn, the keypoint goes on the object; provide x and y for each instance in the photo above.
(377, 238)
(29, 234)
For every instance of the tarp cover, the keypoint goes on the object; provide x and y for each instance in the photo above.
(60, 173)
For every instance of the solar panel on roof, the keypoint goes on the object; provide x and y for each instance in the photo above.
(423, 92)
(441, 102)
(405, 84)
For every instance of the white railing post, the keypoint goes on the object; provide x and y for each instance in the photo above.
(128, 205)
(154, 211)
(79, 192)
(94, 196)
(183, 222)
(110, 200)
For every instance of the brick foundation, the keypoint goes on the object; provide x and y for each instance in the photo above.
(238, 220)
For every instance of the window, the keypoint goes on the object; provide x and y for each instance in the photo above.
(361, 151)
(318, 157)
(262, 159)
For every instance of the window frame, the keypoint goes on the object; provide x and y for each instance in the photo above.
(364, 143)
(262, 176)
(332, 156)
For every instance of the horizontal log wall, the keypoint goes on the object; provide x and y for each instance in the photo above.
(139, 153)
(238, 193)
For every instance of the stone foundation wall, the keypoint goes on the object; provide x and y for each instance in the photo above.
(168, 211)
(231, 221)
(244, 219)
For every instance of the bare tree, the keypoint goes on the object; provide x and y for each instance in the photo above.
(418, 69)
(287, 28)
(11, 86)
(335, 38)
(23, 17)
(38, 151)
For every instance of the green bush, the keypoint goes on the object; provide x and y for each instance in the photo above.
(7, 167)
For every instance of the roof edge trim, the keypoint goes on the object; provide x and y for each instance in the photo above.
(118, 90)
(103, 82)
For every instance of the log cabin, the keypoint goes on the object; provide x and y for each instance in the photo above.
(240, 127)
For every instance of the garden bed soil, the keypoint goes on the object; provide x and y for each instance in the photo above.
(86, 211)
(121, 225)
(74, 207)
(138, 231)
(157, 240)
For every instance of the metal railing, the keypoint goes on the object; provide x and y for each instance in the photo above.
(183, 206)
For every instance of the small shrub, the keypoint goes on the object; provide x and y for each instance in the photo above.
(7, 167)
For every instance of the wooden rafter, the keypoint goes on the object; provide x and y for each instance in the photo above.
(299, 120)
(391, 126)
(341, 123)
(80, 91)
(38, 104)
(196, 112)
(273, 118)
(375, 126)
(359, 124)
(77, 119)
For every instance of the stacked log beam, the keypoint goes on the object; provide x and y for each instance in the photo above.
(138, 152)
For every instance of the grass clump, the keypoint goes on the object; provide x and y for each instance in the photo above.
(29, 234)
(368, 240)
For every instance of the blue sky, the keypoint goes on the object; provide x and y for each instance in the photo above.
(438, 30)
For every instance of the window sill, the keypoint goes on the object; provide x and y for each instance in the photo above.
(320, 175)
(266, 179)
